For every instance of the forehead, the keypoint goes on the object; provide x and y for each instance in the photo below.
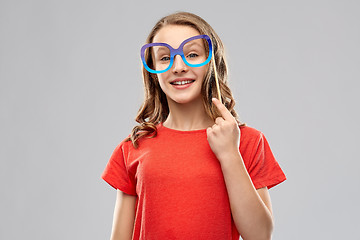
(174, 35)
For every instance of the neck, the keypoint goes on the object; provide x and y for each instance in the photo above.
(187, 116)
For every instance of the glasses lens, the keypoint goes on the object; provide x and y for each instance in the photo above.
(160, 57)
(196, 51)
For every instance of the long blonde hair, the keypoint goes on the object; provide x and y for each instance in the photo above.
(155, 107)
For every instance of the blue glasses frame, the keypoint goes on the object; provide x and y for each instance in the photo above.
(174, 52)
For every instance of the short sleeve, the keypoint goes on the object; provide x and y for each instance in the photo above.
(264, 169)
(116, 174)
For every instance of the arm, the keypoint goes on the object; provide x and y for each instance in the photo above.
(250, 208)
(124, 216)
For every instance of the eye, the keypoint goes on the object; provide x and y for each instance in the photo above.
(165, 59)
(192, 55)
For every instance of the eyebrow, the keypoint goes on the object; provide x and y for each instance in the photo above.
(164, 48)
(192, 43)
(196, 44)
(161, 48)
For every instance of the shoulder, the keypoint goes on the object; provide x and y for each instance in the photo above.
(250, 139)
(123, 144)
(250, 133)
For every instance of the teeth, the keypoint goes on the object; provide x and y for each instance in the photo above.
(181, 82)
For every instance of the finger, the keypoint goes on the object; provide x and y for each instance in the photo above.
(219, 120)
(223, 110)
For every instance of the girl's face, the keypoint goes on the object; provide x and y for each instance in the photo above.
(174, 35)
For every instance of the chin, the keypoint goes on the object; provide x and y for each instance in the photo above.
(183, 100)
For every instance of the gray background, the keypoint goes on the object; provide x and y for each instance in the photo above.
(71, 87)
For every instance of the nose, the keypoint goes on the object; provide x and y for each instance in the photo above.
(179, 65)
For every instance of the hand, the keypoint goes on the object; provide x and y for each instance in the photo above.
(224, 135)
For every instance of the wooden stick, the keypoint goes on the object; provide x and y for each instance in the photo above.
(216, 78)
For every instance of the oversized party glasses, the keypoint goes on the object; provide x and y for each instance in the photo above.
(195, 52)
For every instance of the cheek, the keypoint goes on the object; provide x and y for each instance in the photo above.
(201, 72)
(161, 77)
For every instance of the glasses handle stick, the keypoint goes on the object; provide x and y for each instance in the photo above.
(216, 78)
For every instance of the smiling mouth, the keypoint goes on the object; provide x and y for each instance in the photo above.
(182, 82)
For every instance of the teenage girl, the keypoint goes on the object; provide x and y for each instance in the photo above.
(190, 170)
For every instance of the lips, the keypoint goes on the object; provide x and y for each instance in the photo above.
(181, 79)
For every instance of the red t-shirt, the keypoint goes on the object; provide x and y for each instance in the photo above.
(178, 181)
